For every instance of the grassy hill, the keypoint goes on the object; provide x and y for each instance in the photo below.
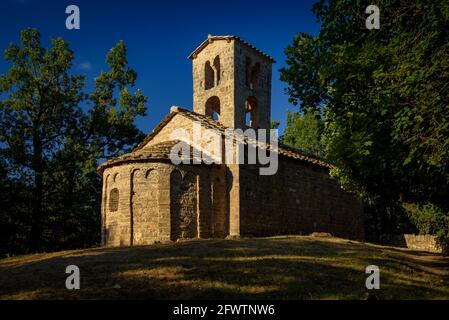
(295, 267)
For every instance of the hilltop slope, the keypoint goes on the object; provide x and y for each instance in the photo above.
(295, 267)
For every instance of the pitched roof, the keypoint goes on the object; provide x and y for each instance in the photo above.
(211, 39)
(163, 150)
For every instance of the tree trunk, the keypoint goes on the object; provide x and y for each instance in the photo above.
(36, 218)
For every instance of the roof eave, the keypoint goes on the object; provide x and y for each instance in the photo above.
(211, 39)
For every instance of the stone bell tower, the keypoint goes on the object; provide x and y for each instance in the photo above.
(232, 82)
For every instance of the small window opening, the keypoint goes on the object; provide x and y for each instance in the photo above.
(113, 200)
(217, 70)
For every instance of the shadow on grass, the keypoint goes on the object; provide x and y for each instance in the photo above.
(268, 268)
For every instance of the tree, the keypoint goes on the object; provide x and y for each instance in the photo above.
(50, 147)
(303, 131)
(39, 111)
(274, 124)
(111, 124)
(384, 95)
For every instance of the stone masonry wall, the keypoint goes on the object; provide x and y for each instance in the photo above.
(417, 242)
(261, 91)
(233, 90)
(199, 192)
(142, 215)
(183, 205)
(158, 201)
(224, 89)
(299, 199)
(145, 206)
(116, 224)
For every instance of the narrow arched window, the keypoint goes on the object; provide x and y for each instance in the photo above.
(209, 76)
(217, 70)
(113, 200)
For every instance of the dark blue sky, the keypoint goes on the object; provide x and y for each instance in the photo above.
(159, 36)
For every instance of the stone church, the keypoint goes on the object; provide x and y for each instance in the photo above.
(147, 198)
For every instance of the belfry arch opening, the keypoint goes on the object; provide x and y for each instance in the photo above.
(209, 76)
(212, 73)
(251, 107)
(213, 107)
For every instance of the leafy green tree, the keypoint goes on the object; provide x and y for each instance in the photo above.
(274, 124)
(303, 131)
(111, 120)
(429, 219)
(384, 95)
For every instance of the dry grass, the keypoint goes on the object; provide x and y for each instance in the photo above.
(294, 267)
